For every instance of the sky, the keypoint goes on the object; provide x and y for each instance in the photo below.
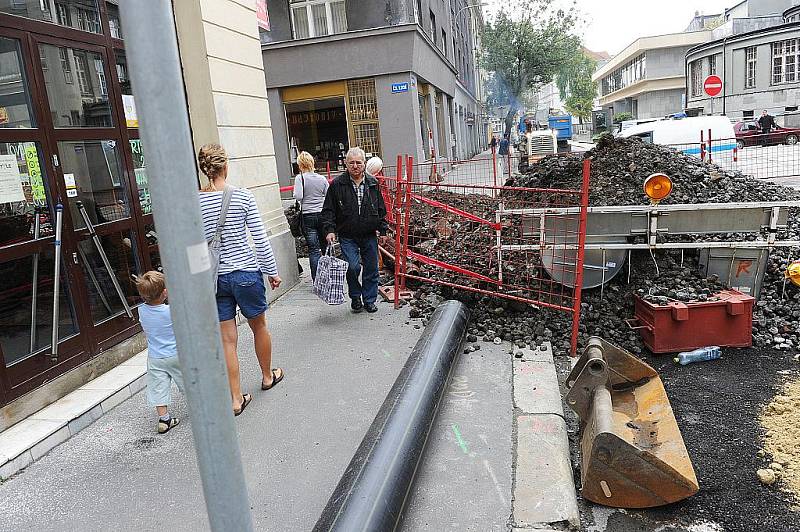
(611, 25)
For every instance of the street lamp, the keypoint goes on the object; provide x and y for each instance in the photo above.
(482, 4)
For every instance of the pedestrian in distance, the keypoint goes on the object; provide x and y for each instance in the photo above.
(503, 154)
(493, 143)
(309, 190)
(355, 212)
(767, 123)
(240, 276)
(162, 350)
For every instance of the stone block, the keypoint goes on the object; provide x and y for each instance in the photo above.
(85, 419)
(47, 444)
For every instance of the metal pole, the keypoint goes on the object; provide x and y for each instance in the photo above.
(152, 50)
(35, 284)
(104, 258)
(56, 283)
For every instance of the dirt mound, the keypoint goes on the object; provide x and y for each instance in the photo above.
(620, 166)
(781, 422)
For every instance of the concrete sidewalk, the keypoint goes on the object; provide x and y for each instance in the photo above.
(296, 440)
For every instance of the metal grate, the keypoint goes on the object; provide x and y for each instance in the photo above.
(363, 112)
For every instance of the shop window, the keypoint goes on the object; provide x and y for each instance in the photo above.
(140, 170)
(26, 323)
(15, 101)
(316, 18)
(320, 128)
(128, 103)
(93, 175)
(78, 14)
(88, 97)
(120, 249)
(23, 193)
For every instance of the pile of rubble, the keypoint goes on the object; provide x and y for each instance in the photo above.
(619, 167)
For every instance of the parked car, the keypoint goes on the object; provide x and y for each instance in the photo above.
(749, 134)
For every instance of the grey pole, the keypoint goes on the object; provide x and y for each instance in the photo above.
(35, 284)
(56, 283)
(152, 51)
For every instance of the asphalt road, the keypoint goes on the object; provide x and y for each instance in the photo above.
(296, 439)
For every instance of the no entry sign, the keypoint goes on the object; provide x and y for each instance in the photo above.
(712, 85)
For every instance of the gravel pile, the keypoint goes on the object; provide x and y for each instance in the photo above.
(619, 168)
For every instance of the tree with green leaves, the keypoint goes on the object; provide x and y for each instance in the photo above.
(525, 46)
(575, 85)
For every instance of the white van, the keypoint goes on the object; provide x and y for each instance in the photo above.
(684, 134)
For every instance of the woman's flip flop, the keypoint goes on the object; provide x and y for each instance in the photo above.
(275, 379)
(246, 401)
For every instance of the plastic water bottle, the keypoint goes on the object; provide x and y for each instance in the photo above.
(702, 354)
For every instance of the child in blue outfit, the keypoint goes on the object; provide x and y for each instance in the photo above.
(162, 352)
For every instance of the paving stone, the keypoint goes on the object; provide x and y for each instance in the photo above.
(85, 419)
(116, 399)
(536, 389)
(544, 489)
(12, 467)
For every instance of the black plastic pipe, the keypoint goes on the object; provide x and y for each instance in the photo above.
(373, 489)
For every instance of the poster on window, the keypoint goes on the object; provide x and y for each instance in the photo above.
(131, 118)
(262, 15)
(10, 183)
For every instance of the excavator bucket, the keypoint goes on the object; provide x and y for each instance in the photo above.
(632, 452)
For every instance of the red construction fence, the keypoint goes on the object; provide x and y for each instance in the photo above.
(455, 224)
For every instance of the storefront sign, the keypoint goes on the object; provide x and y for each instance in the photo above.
(10, 182)
(262, 15)
(35, 173)
(315, 117)
(399, 87)
(131, 118)
(69, 183)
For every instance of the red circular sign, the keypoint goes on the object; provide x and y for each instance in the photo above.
(712, 85)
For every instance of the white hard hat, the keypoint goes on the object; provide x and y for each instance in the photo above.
(374, 166)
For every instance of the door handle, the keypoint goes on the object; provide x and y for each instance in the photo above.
(74, 257)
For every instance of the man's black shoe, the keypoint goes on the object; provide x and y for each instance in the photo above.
(371, 307)
(356, 306)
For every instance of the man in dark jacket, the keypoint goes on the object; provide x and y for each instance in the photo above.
(354, 210)
(767, 123)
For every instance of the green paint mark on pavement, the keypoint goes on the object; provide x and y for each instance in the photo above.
(459, 439)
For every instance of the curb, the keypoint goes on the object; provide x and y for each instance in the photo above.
(30, 439)
(544, 488)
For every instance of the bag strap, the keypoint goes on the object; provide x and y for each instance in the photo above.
(223, 214)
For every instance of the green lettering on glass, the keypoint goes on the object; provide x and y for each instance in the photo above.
(35, 173)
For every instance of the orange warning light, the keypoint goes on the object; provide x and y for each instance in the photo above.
(657, 187)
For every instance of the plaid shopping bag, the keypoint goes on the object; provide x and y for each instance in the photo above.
(329, 283)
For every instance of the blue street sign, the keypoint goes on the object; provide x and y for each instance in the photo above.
(399, 87)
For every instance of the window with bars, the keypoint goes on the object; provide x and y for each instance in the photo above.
(317, 18)
(784, 61)
(696, 77)
(363, 114)
(751, 59)
(712, 64)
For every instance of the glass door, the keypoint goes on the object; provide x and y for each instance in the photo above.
(94, 181)
(27, 236)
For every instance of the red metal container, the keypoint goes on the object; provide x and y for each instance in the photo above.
(680, 326)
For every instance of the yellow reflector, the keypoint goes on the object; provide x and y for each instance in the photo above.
(657, 187)
(793, 272)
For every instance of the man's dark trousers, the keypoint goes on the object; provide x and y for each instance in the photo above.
(358, 252)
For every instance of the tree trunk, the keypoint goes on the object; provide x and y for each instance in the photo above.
(510, 120)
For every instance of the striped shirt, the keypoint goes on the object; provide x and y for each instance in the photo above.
(359, 190)
(243, 215)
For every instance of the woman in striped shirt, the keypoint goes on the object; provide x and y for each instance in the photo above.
(240, 280)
